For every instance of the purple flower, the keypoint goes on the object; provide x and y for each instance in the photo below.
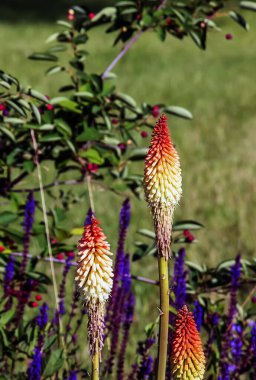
(29, 213)
(88, 219)
(8, 275)
(42, 318)
(126, 275)
(198, 314)
(253, 344)
(35, 366)
(179, 279)
(145, 368)
(72, 375)
(62, 289)
(235, 282)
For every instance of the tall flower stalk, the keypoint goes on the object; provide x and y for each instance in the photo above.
(162, 185)
(94, 279)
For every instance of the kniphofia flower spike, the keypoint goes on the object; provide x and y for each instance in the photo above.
(188, 359)
(162, 182)
(94, 279)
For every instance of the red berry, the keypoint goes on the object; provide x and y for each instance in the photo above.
(155, 111)
(60, 256)
(92, 168)
(229, 36)
(144, 134)
(91, 15)
(54, 241)
(138, 17)
(33, 304)
(122, 146)
(114, 121)
(2, 248)
(2, 107)
(169, 21)
(253, 299)
(49, 107)
(186, 233)
(38, 297)
(190, 238)
(71, 255)
(71, 17)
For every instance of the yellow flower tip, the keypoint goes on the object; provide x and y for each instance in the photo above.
(94, 270)
(188, 360)
(162, 174)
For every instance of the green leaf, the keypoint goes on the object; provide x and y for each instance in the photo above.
(107, 12)
(161, 32)
(178, 111)
(88, 135)
(66, 103)
(43, 57)
(195, 266)
(54, 363)
(64, 23)
(126, 99)
(63, 127)
(5, 85)
(37, 95)
(13, 120)
(6, 317)
(138, 153)
(239, 19)
(147, 19)
(7, 217)
(147, 233)
(36, 113)
(249, 5)
(93, 156)
(52, 137)
(84, 94)
(49, 342)
(8, 133)
(187, 225)
(16, 107)
(54, 70)
(28, 166)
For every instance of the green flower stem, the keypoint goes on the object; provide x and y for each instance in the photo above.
(164, 317)
(95, 365)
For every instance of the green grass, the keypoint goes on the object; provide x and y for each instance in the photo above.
(217, 147)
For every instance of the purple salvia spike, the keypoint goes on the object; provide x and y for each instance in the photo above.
(225, 368)
(34, 370)
(179, 279)
(27, 227)
(119, 262)
(126, 275)
(128, 318)
(62, 289)
(9, 273)
(198, 314)
(88, 219)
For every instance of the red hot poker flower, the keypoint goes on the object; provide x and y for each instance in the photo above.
(188, 360)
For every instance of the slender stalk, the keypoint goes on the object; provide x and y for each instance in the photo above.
(47, 233)
(164, 317)
(95, 365)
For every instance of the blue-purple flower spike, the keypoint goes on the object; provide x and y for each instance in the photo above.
(27, 226)
(179, 279)
(34, 370)
(8, 275)
(119, 262)
(88, 219)
(231, 341)
(198, 314)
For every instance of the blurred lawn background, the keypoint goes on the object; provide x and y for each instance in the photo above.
(217, 147)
